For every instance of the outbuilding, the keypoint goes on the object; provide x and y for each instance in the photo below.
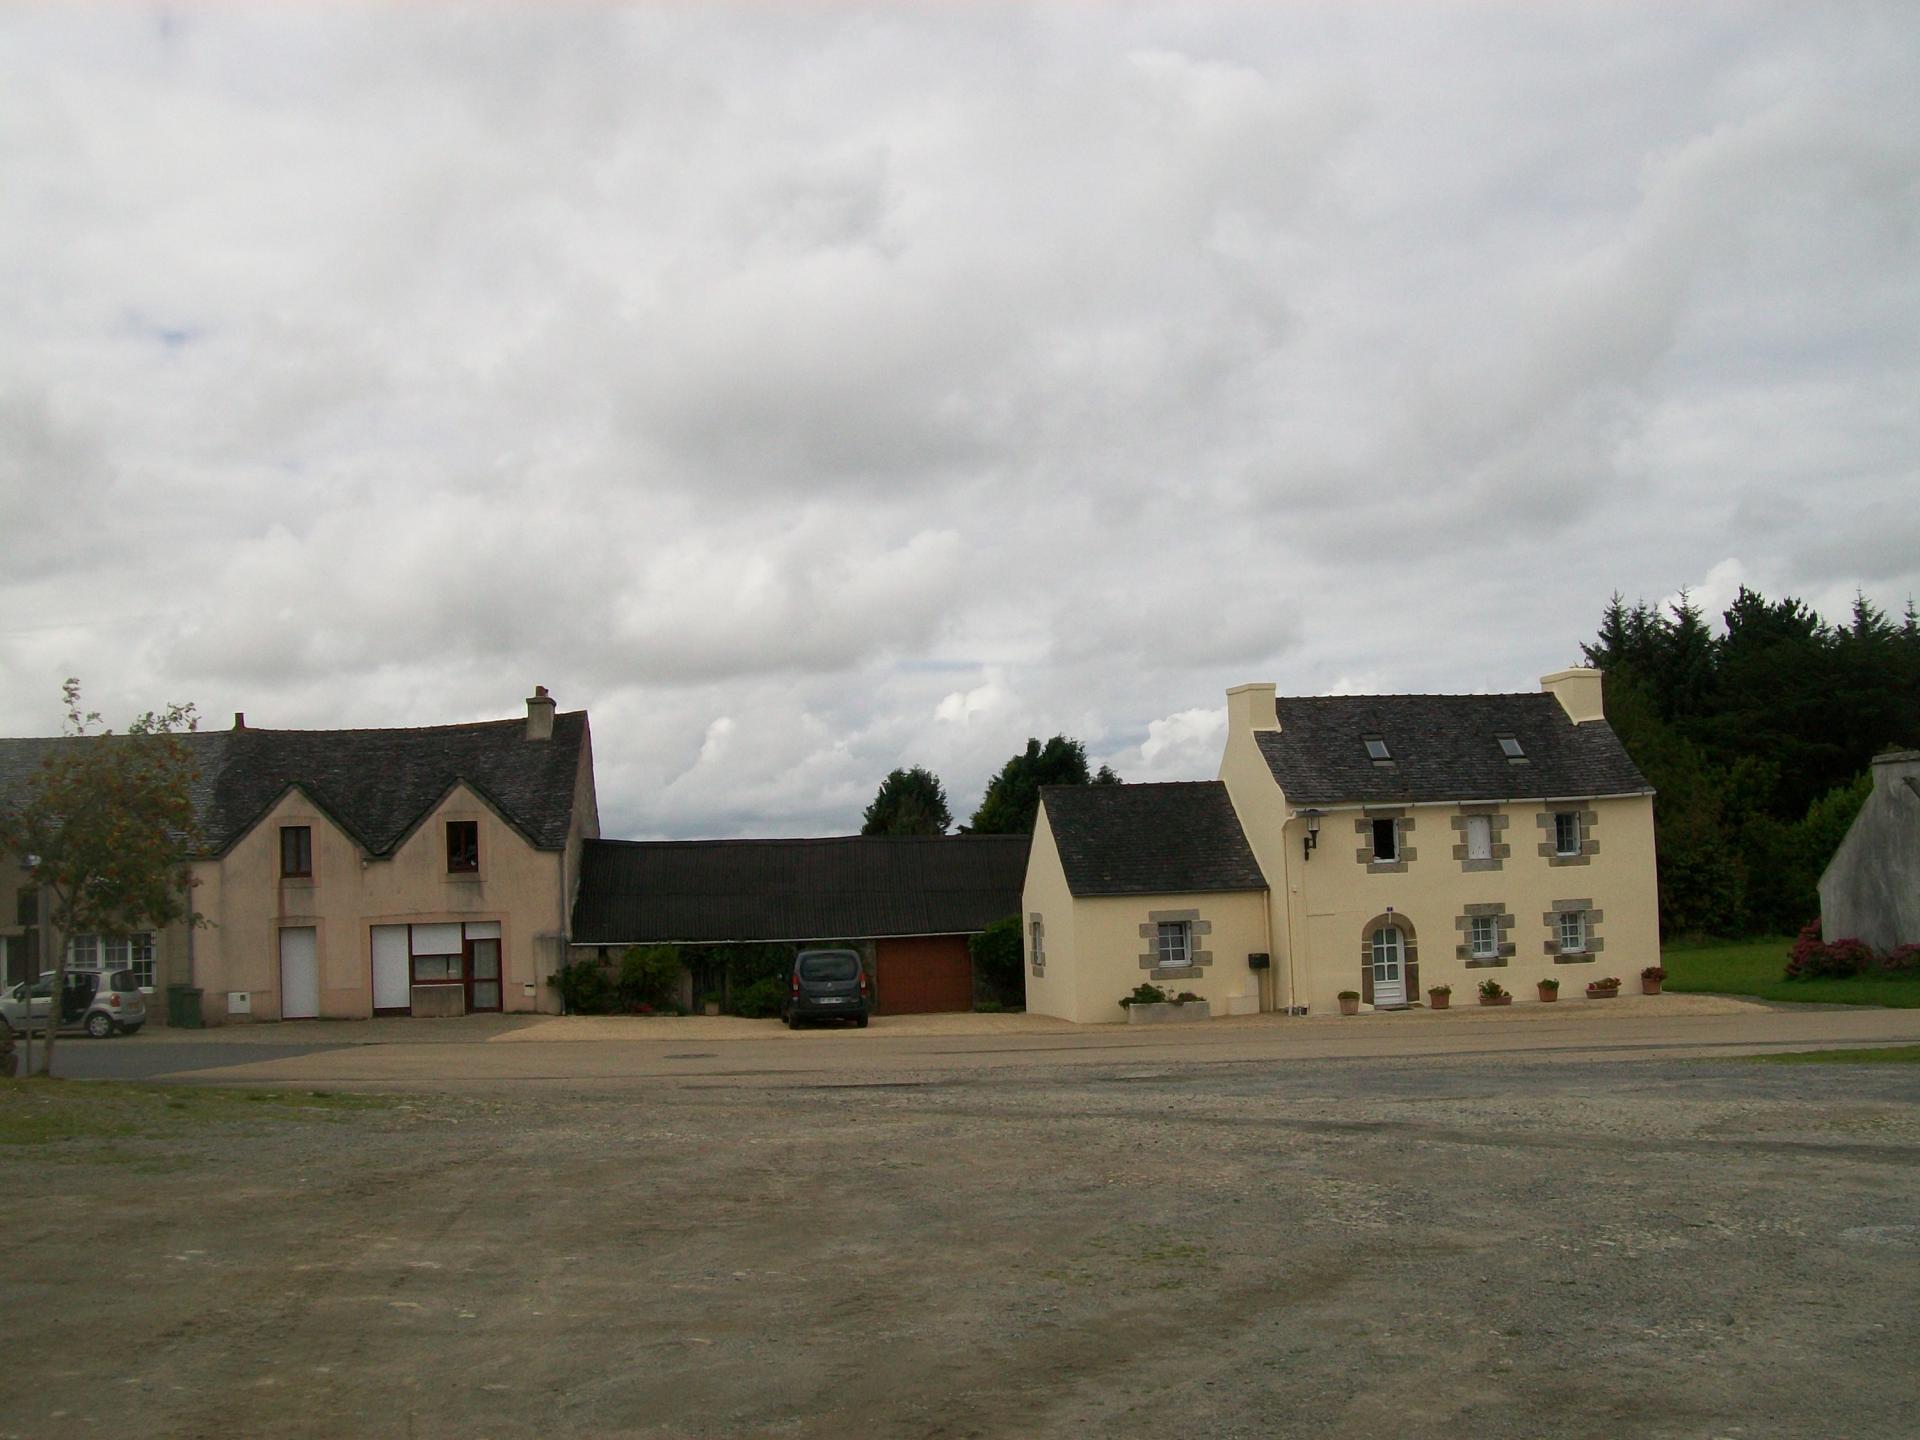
(909, 904)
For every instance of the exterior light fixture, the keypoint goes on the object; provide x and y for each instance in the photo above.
(1310, 842)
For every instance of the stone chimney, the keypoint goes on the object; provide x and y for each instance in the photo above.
(539, 714)
(1250, 708)
(1578, 691)
(239, 719)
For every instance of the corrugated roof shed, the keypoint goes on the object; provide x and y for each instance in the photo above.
(842, 887)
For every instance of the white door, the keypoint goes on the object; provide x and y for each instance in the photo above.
(392, 972)
(1389, 975)
(299, 974)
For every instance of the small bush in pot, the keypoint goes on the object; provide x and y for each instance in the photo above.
(1603, 989)
(1349, 1002)
(1650, 979)
(1493, 993)
(1145, 993)
(1549, 990)
(1439, 997)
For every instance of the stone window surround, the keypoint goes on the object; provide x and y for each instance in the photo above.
(1403, 826)
(1499, 850)
(1036, 947)
(1409, 954)
(1504, 947)
(1589, 824)
(1595, 944)
(1199, 959)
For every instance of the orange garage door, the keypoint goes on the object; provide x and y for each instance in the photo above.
(921, 975)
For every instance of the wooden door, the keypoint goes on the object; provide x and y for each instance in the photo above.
(925, 974)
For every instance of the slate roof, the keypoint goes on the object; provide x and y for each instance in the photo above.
(841, 888)
(1177, 838)
(375, 784)
(1444, 747)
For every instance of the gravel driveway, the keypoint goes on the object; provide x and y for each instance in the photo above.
(1345, 1248)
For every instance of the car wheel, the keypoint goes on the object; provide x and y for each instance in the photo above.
(99, 1026)
(862, 1021)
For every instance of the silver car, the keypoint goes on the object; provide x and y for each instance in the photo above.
(99, 1002)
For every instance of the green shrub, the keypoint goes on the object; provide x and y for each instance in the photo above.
(987, 1007)
(999, 961)
(649, 978)
(759, 999)
(584, 988)
(1145, 994)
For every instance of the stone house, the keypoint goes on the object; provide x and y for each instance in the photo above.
(1870, 890)
(1381, 844)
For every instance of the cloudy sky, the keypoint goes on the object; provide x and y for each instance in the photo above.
(809, 390)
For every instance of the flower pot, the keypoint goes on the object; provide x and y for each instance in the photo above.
(1612, 992)
(1349, 1007)
(1438, 1002)
(1549, 994)
(1496, 999)
(1649, 987)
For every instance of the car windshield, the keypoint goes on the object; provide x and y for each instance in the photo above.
(829, 967)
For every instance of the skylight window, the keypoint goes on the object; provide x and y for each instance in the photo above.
(1510, 747)
(1377, 749)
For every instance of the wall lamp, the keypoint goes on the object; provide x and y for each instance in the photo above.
(1310, 842)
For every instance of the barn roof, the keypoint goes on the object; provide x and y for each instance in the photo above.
(840, 887)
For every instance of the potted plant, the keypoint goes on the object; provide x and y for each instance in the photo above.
(1491, 993)
(1151, 1005)
(1349, 1002)
(1650, 979)
(1549, 990)
(1439, 996)
(1605, 989)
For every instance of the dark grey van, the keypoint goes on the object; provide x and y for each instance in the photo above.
(827, 983)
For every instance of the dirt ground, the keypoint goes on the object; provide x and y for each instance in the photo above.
(1442, 1247)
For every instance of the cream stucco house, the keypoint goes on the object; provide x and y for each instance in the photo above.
(349, 873)
(1382, 844)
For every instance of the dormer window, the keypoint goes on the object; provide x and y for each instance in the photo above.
(1510, 747)
(1377, 750)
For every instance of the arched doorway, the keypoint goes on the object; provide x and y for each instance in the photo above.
(1389, 962)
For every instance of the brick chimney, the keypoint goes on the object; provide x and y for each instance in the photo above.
(1250, 707)
(1578, 691)
(539, 714)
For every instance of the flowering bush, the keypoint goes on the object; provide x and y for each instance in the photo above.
(1491, 989)
(1811, 958)
(1612, 982)
(1901, 960)
(1653, 972)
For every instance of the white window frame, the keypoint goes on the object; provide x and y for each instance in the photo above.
(1393, 829)
(1483, 937)
(1479, 837)
(1572, 927)
(1173, 945)
(93, 952)
(1572, 823)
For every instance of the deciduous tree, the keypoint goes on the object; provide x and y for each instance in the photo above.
(105, 828)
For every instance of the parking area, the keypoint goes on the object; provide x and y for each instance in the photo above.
(1058, 1243)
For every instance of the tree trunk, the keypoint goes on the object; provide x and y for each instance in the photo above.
(58, 996)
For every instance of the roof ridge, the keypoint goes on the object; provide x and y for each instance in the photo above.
(383, 729)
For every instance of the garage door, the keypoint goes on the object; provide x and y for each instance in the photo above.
(922, 975)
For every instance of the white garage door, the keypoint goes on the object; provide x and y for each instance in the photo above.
(392, 975)
(299, 974)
